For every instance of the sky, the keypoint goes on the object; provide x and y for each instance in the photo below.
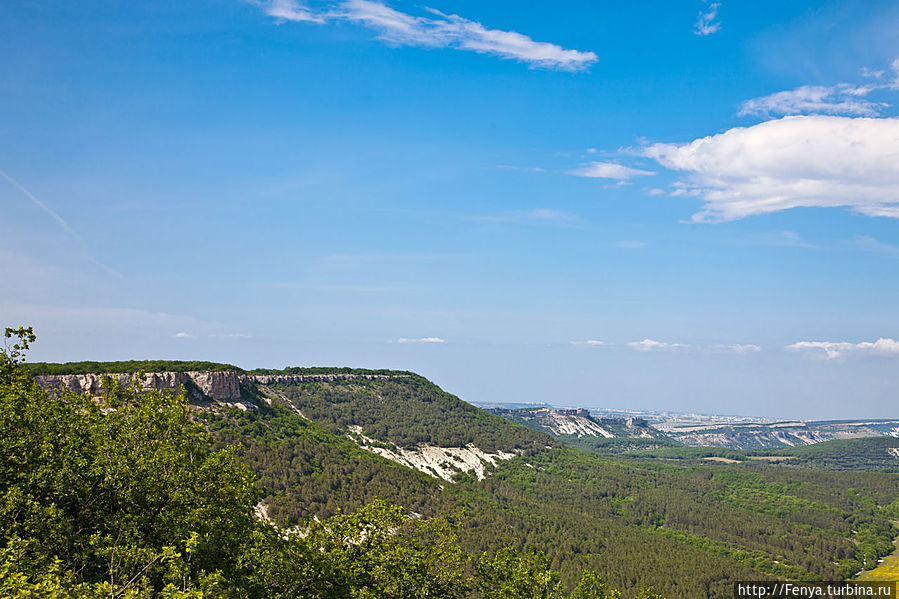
(688, 206)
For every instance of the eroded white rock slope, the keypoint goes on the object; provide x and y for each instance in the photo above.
(440, 462)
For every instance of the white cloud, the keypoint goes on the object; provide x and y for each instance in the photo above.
(846, 99)
(835, 349)
(738, 348)
(437, 31)
(871, 73)
(705, 24)
(843, 99)
(290, 10)
(590, 343)
(800, 161)
(183, 335)
(655, 191)
(607, 170)
(420, 340)
(653, 345)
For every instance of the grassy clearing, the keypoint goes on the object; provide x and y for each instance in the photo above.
(888, 570)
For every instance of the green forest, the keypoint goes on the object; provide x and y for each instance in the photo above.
(660, 518)
(126, 497)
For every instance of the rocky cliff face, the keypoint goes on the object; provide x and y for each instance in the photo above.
(216, 385)
(220, 386)
(273, 379)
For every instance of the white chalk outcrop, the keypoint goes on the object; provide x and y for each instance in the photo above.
(440, 462)
(217, 385)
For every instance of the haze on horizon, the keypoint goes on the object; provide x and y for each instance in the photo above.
(688, 206)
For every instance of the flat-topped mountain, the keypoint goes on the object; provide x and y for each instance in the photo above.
(395, 414)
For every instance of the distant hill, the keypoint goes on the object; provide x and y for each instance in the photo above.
(578, 428)
(872, 454)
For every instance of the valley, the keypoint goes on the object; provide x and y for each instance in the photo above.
(651, 513)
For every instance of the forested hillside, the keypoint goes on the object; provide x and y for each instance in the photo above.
(670, 519)
(406, 412)
(121, 496)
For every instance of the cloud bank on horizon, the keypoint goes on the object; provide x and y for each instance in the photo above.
(437, 31)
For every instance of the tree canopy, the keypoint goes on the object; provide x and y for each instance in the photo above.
(124, 497)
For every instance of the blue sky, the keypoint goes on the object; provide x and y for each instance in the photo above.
(662, 205)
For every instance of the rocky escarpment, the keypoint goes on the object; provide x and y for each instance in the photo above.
(439, 462)
(217, 385)
(289, 379)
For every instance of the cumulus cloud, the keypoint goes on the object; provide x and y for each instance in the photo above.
(706, 24)
(653, 345)
(799, 161)
(843, 99)
(607, 170)
(438, 30)
(835, 349)
(420, 340)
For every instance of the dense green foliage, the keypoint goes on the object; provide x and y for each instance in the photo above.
(869, 454)
(307, 471)
(664, 517)
(617, 445)
(127, 367)
(406, 412)
(328, 370)
(685, 526)
(124, 498)
(688, 454)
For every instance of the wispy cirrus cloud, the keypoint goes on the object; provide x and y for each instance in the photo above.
(437, 30)
(706, 24)
(842, 99)
(61, 222)
(837, 349)
(798, 161)
(608, 170)
(846, 99)
(289, 10)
